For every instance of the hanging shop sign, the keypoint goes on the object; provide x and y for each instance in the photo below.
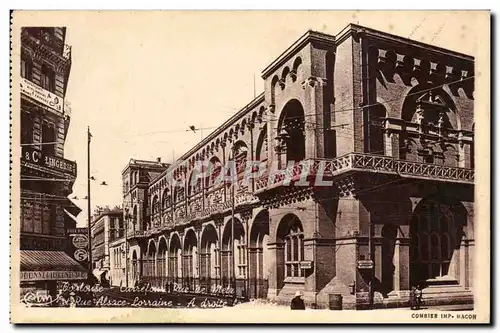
(80, 241)
(52, 275)
(306, 264)
(43, 96)
(76, 231)
(365, 264)
(81, 255)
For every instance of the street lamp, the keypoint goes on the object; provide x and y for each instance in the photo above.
(233, 259)
(126, 217)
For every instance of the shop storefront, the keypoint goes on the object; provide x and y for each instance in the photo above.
(41, 271)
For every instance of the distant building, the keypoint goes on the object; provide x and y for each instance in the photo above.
(107, 225)
(47, 177)
(136, 177)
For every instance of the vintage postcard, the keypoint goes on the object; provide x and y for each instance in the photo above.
(250, 167)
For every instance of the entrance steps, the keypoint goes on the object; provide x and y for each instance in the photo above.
(288, 292)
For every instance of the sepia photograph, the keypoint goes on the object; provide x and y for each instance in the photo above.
(235, 166)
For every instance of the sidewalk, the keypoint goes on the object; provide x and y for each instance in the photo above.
(262, 304)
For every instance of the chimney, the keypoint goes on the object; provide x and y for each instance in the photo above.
(158, 159)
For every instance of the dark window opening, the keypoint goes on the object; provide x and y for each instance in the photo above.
(48, 78)
(48, 138)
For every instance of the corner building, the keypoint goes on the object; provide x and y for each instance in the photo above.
(47, 178)
(389, 120)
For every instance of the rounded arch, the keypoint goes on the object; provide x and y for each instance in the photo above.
(175, 244)
(285, 73)
(296, 63)
(425, 92)
(162, 260)
(190, 256)
(438, 225)
(190, 240)
(208, 237)
(260, 151)
(151, 248)
(259, 229)
(290, 223)
(274, 82)
(290, 234)
(194, 184)
(239, 233)
(174, 257)
(213, 172)
(291, 125)
(209, 260)
(149, 267)
(155, 205)
(166, 198)
(162, 244)
(135, 271)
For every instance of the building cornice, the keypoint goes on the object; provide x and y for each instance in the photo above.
(309, 37)
(351, 29)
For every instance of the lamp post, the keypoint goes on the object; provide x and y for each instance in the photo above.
(127, 219)
(233, 273)
(89, 231)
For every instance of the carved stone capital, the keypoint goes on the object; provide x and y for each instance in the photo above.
(219, 221)
(281, 82)
(246, 214)
(313, 82)
(271, 108)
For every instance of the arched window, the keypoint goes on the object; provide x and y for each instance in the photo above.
(214, 171)
(155, 206)
(294, 243)
(166, 199)
(432, 231)
(290, 232)
(134, 265)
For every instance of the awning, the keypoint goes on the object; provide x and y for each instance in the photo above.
(72, 208)
(50, 265)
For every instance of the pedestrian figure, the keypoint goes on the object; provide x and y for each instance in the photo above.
(418, 294)
(415, 297)
(72, 300)
(297, 302)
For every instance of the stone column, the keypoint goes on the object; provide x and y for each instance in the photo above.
(402, 264)
(313, 111)
(253, 275)
(276, 274)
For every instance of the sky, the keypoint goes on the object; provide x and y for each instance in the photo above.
(138, 80)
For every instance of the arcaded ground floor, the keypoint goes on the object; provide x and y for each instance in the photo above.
(421, 235)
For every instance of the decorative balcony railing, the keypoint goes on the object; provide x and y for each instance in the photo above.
(325, 169)
(136, 234)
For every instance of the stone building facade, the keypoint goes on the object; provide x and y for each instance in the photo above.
(366, 143)
(47, 177)
(106, 226)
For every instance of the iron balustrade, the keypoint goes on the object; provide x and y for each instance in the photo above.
(329, 168)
